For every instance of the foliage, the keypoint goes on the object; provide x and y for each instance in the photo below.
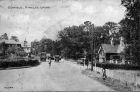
(44, 45)
(110, 26)
(4, 36)
(15, 50)
(15, 38)
(75, 40)
(111, 29)
(118, 66)
(35, 47)
(18, 63)
(130, 28)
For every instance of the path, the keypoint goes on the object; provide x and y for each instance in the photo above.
(63, 76)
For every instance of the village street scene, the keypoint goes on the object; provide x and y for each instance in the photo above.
(72, 45)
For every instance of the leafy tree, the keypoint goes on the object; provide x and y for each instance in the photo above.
(57, 47)
(4, 36)
(73, 40)
(77, 39)
(44, 45)
(130, 28)
(109, 27)
(15, 38)
(35, 47)
(15, 50)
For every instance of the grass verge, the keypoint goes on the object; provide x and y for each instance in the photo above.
(110, 82)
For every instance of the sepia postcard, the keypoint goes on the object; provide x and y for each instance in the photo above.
(69, 45)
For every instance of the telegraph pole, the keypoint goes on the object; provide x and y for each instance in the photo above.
(91, 45)
(90, 28)
(94, 51)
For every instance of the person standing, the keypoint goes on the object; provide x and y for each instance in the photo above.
(86, 62)
(104, 73)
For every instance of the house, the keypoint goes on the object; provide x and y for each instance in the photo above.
(10, 43)
(26, 46)
(111, 53)
(5, 44)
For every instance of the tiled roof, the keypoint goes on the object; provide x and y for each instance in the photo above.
(9, 42)
(108, 48)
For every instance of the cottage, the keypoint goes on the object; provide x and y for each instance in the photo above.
(111, 53)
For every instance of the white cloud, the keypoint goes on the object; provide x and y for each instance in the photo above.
(17, 33)
(76, 6)
(32, 23)
(21, 18)
(90, 10)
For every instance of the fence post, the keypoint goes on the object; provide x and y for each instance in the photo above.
(135, 80)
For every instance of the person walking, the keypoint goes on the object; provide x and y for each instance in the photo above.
(50, 61)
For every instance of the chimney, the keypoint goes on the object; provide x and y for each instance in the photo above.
(112, 41)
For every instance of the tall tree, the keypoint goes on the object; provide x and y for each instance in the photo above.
(109, 27)
(76, 39)
(131, 26)
(73, 40)
(35, 47)
(46, 45)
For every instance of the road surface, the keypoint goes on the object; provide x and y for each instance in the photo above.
(64, 76)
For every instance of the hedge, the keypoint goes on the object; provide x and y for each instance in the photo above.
(19, 63)
(118, 66)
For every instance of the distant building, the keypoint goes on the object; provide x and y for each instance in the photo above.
(5, 44)
(9, 43)
(111, 53)
(26, 46)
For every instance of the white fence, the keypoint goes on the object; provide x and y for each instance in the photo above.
(127, 76)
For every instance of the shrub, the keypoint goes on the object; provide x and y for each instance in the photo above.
(117, 66)
(5, 63)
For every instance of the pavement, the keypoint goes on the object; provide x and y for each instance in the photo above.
(63, 76)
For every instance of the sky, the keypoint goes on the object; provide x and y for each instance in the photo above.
(34, 19)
